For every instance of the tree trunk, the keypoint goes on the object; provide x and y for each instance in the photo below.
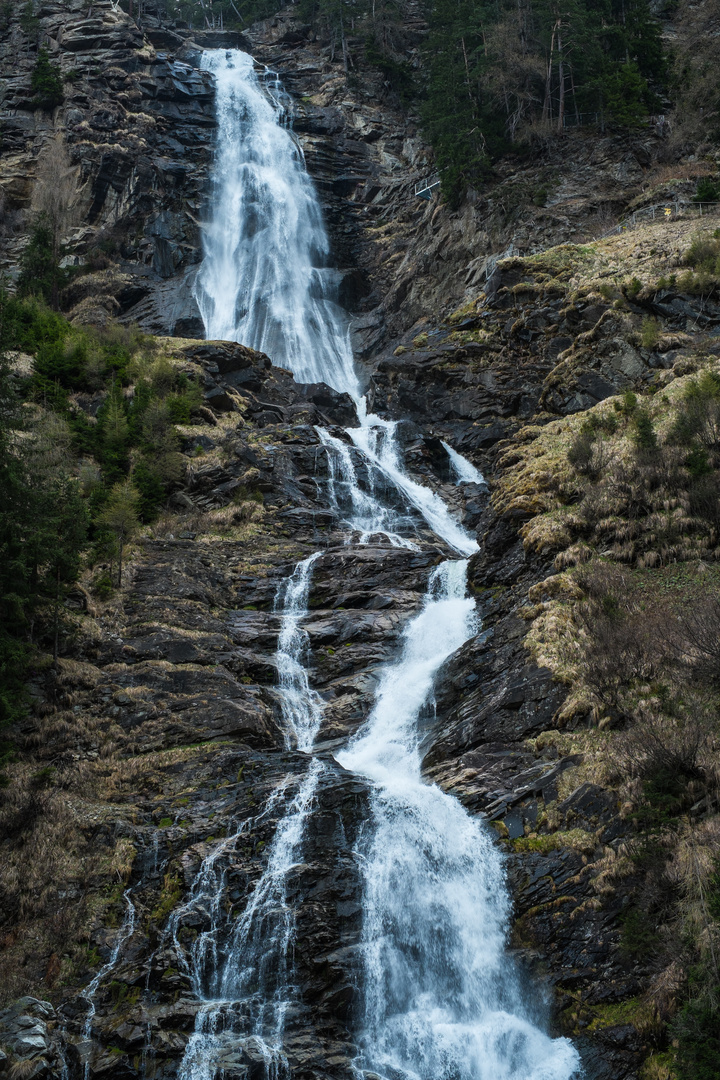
(547, 103)
(467, 68)
(344, 43)
(561, 77)
(57, 620)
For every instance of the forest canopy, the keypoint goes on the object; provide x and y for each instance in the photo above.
(489, 73)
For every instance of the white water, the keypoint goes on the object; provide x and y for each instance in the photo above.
(244, 976)
(124, 934)
(264, 280)
(242, 972)
(440, 997)
(465, 471)
(301, 706)
(363, 511)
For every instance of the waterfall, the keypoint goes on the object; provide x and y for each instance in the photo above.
(465, 471)
(263, 280)
(301, 706)
(241, 969)
(440, 996)
(124, 934)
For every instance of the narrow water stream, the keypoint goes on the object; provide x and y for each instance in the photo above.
(440, 996)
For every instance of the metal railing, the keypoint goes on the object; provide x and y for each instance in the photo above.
(664, 211)
(424, 189)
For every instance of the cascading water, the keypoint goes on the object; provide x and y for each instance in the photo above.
(241, 970)
(440, 997)
(465, 471)
(243, 974)
(126, 931)
(263, 280)
(301, 707)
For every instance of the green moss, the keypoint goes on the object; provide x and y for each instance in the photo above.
(577, 839)
(630, 1011)
(169, 898)
(165, 823)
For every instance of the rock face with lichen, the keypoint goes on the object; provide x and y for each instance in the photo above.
(158, 738)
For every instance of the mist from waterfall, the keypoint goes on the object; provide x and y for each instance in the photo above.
(440, 997)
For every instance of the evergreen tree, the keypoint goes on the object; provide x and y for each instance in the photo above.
(120, 516)
(46, 83)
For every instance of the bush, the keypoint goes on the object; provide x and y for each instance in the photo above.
(581, 450)
(644, 434)
(628, 405)
(697, 421)
(697, 1030)
(650, 332)
(703, 253)
(708, 190)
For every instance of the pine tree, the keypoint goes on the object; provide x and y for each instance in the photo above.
(46, 82)
(121, 517)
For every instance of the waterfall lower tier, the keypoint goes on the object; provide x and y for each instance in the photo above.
(440, 996)
(243, 973)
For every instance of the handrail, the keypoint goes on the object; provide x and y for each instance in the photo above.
(423, 189)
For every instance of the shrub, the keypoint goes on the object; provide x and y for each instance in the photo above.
(708, 190)
(628, 405)
(644, 434)
(703, 253)
(638, 938)
(581, 450)
(650, 332)
(697, 1030)
(705, 499)
(697, 420)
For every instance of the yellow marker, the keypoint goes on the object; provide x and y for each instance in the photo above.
(668, 211)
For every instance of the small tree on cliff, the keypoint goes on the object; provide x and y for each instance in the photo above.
(46, 82)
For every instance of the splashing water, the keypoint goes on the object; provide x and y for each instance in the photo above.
(440, 998)
(363, 511)
(465, 471)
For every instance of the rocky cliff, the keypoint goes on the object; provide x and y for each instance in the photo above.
(157, 738)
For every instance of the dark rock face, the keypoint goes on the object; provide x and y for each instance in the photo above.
(185, 685)
(180, 678)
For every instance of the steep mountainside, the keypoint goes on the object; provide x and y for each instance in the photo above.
(574, 363)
